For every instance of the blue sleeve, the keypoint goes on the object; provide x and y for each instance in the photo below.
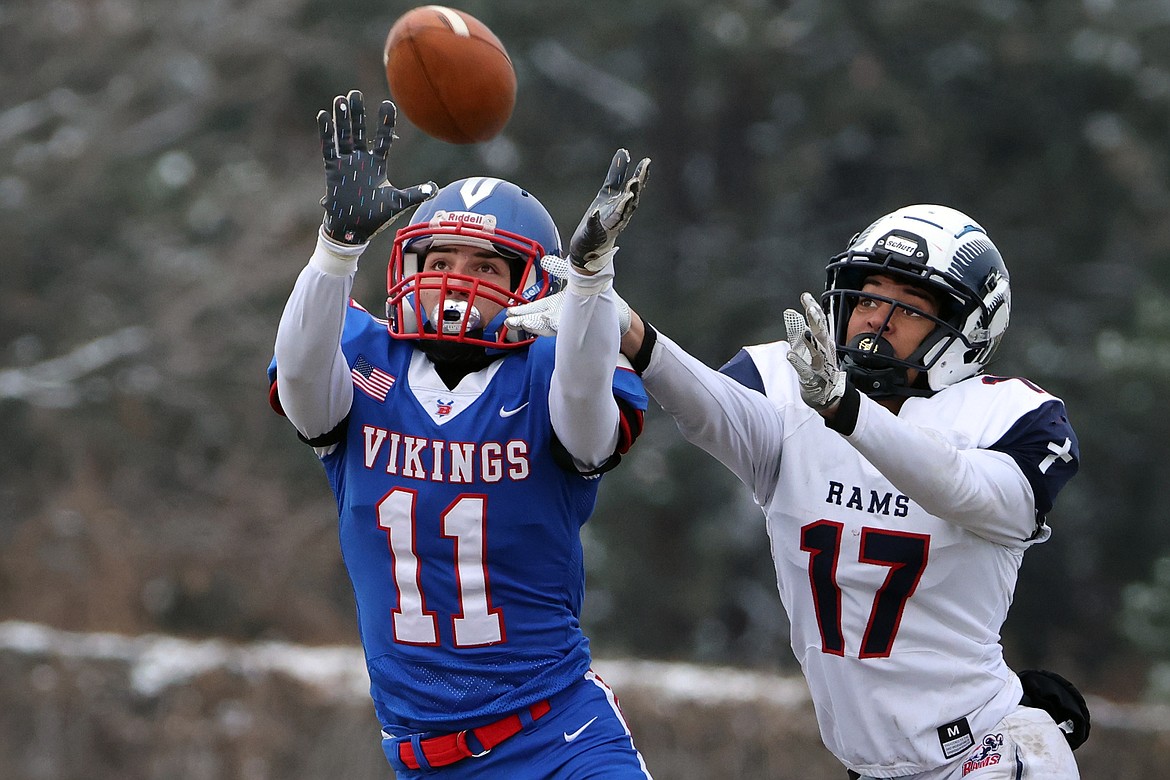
(627, 386)
(1045, 447)
(743, 369)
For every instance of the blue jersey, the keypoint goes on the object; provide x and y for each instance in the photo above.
(460, 532)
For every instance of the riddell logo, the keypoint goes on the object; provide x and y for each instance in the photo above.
(484, 222)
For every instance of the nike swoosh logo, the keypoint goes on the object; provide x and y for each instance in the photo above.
(570, 737)
(509, 412)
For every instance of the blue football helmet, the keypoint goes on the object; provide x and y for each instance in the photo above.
(482, 212)
(944, 252)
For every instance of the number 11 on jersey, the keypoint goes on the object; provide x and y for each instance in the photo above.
(464, 521)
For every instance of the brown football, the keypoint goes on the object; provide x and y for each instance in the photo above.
(449, 74)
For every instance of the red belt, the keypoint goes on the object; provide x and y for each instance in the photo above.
(451, 748)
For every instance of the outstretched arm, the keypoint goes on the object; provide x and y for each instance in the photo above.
(741, 428)
(313, 377)
(585, 415)
(982, 490)
(986, 491)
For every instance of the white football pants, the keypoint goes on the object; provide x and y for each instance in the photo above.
(1025, 745)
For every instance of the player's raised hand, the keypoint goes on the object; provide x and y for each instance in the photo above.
(814, 355)
(542, 317)
(592, 246)
(358, 200)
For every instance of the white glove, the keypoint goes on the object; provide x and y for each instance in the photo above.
(814, 355)
(543, 317)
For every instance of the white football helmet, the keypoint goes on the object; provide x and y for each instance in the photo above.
(940, 250)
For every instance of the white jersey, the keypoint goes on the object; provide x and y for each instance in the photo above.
(896, 547)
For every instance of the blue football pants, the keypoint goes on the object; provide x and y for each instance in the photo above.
(583, 737)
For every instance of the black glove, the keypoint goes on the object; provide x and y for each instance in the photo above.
(592, 244)
(1058, 697)
(358, 200)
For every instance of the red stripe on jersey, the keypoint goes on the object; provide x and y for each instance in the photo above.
(274, 400)
(630, 422)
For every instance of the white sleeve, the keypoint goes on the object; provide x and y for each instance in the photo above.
(981, 490)
(313, 378)
(738, 426)
(581, 403)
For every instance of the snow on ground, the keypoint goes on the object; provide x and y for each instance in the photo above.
(158, 662)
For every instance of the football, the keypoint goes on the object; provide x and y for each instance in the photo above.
(449, 74)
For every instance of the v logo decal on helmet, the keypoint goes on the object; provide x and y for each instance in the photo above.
(476, 189)
(969, 228)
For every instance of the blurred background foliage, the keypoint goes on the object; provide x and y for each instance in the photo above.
(159, 186)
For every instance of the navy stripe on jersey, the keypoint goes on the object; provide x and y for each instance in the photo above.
(743, 369)
(1045, 447)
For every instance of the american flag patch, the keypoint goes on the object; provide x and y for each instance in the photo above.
(371, 380)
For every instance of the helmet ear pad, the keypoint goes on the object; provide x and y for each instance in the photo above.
(957, 358)
(406, 318)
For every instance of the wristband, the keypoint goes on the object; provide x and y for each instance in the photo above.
(590, 284)
(641, 360)
(844, 420)
(332, 257)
